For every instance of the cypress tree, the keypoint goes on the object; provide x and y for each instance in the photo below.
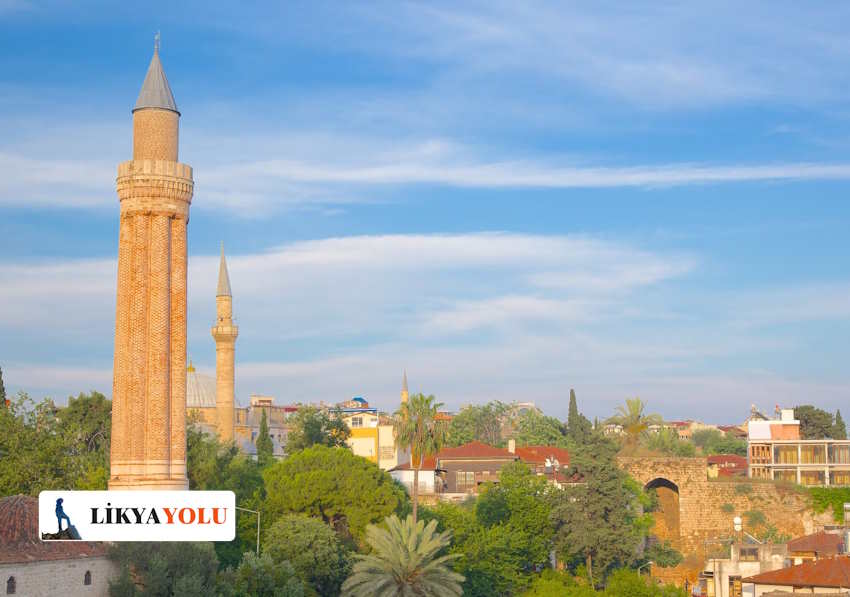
(265, 449)
(578, 426)
(2, 389)
(839, 430)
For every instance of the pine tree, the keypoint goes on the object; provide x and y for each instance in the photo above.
(265, 449)
(839, 430)
(2, 389)
(578, 426)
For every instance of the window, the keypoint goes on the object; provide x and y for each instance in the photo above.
(356, 422)
(813, 454)
(387, 452)
(785, 455)
(839, 454)
(749, 554)
(87, 578)
(812, 478)
(839, 478)
(10, 586)
(465, 480)
(785, 475)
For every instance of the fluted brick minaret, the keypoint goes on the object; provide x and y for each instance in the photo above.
(148, 449)
(224, 333)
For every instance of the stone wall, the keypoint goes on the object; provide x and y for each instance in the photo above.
(707, 507)
(61, 577)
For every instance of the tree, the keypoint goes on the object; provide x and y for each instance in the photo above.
(346, 491)
(599, 523)
(260, 576)
(86, 428)
(415, 426)
(311, 426)
(633, 420)
(814, 422)
(405, 560)
(668, 442)
(536, 429)
(839, 431)
(482, 423)
(578, 426)
(2, 389)
(312, 548)
(265, 448)
(164, 569)
(212, 465)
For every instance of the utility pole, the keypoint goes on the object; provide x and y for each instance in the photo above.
(258, 524)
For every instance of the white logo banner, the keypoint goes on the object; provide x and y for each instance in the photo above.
(137, 515)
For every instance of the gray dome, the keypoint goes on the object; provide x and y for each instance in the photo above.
(200, 389)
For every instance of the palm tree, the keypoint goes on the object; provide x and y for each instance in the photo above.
(632, 419)
(404, 562)
(415, 426)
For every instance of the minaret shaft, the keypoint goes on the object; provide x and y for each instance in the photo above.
(148, 449)
(224, 332)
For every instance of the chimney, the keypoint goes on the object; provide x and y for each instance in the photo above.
(512, 446)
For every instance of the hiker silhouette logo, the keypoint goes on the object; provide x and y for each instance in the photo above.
(69, 533)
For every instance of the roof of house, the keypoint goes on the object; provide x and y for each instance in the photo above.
(539, 454)
(828, 572)
(19, 540)
(787, 594)
(429, 464)
(728, 460)
(822, 543)
(475, 450)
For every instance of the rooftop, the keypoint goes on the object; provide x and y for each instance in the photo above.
(540, 454)
(19, 540)
(822, 543)
(829, 572)
(475, 450)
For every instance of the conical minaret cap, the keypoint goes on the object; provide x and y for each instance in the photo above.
(404, 382)
(223, 288)
(156, 93)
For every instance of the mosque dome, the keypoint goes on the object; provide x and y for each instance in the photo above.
(18, 519)
(200, 389)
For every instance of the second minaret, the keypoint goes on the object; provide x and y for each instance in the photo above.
(224, 332)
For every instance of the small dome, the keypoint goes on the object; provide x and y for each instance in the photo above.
(18, 520)
(200, 389)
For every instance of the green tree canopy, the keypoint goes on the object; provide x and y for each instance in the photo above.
(578, 426)
(346, 491)
(312, 548)
(634, 421)
(535, 429)
(667, 441)
(482, 423)
(163, 569)
(312, 426)
(2, 389)
(260, 576)
(839, 430)
(212, 465)
(815, 423)
(714, 441)
(598, 523)
(405, 560)
(265, 448)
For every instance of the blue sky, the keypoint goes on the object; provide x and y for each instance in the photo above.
(507, 200)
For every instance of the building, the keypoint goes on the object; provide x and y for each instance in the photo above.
(830, 575)
(35, 568)
(148, 448)
(247, 424)
(466, 467)
(431, 481)
(372, 434)
(224, 332)
(726, 465)
(775, 451)
(722, 577)
(823, 544)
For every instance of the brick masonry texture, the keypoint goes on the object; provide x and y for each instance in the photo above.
(149, 387)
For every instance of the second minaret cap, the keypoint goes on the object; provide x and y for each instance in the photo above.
(156, 93)
(223, 288)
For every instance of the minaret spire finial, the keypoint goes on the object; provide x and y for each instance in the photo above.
(156, 42)
(223, 288)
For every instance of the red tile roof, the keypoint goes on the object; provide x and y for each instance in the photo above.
(822, 543)
(475, 450)
(829, 572)
(732, 460)
(429, 464)
(19, 540)
(539, 454)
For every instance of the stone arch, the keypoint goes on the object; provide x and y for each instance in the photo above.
(87, 578)
(11, 586)
(667, 524)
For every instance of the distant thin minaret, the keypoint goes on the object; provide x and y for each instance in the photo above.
(224, 333)
(404, 393)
